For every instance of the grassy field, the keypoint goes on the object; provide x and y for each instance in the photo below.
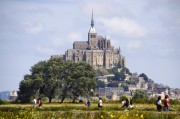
(80, 111)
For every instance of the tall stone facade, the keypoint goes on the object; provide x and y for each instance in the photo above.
(97, 51)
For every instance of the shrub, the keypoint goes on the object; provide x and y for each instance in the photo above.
(45, 99)
(123, 98)
(80, 101)
(5, 102)
(105, 99)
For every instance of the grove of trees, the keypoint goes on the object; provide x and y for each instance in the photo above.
(56, 77)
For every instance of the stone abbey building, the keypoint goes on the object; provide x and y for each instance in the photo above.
(97, 51)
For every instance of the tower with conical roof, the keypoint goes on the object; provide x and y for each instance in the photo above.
(92, 36)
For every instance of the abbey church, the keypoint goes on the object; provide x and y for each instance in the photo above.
(97, 51)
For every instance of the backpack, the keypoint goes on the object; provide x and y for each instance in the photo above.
(156, 103)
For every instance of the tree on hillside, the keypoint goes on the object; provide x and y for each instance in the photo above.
(100, 84)
(113, 70)
(144, 76)
(125, 86)
(119, 76)
(140, 94)
(119, 65)
(113, 84)
(102, 72)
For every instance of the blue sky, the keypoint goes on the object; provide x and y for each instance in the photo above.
(148, 33)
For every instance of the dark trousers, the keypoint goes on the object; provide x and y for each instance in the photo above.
(159, 107)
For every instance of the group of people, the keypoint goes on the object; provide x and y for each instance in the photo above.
(39, 102)
(87, 103)
(166, 103)
(127, 103)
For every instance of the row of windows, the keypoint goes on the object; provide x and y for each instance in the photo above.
(93, 36)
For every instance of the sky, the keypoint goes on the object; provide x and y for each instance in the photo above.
(147, 31)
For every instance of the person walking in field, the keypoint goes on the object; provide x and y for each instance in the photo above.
(127, 103)
(88, 103)
(123, 104)
(158, 103)
(100, 102)
(39, 102)
(166, 103)
(34, 102)
(131, 103)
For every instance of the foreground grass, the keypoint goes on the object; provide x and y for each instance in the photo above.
(79, 111)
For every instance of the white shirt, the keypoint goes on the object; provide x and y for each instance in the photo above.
(100, 102)
(34, 101)
(159, 102)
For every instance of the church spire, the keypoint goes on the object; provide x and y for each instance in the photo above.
(92, 28)
(92, 20)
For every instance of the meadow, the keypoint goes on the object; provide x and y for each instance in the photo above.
(80, 111)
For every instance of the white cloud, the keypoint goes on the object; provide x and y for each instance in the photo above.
(124, 26)
(33, 28)
(73, 36)
(135, 44)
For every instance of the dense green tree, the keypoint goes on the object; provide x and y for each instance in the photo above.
(57, 77)
(77, 80)
(119, 76)
(25, 93)
(52, 70)
(37, 74)
(140, 94)
(43, 80)
(31, 85)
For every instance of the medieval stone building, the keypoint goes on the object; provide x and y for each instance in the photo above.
(97, 51)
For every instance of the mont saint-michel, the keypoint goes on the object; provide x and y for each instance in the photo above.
(97, 51)
(89, 59)
(100, 54)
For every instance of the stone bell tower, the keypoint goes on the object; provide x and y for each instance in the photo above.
(92, 36)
